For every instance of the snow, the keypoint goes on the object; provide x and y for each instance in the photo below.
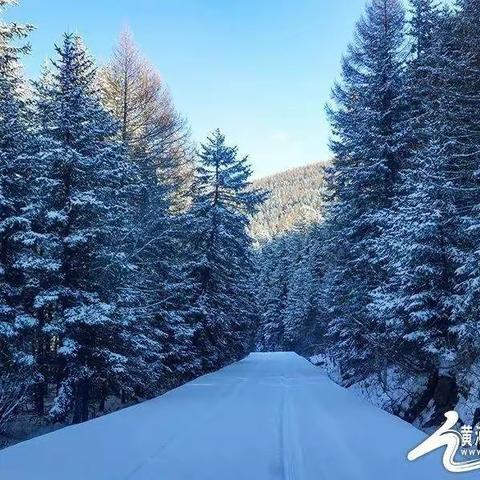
(270, 416)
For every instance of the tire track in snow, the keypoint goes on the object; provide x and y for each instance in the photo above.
(290, 446)
(204, 419)
(286, 452)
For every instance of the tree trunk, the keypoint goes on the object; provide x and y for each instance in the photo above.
(82, 401)
(77, 415)
(85, 395)
(421, 403)
(445, 397)
(103, 397)
(39, 394)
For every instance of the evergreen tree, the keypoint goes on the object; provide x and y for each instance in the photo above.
(457, 182)
(219, 264)
(15, 144)
(81, 224)
(365, 119)
(415, 301)
(462, 182)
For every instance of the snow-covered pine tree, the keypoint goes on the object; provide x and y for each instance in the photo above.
(461, 183)
(15, 144)
(416, 301)
(159, 290)
(365, 118)
(219, 265)
(87, 183)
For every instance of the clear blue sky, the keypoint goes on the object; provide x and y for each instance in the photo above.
(261, 70)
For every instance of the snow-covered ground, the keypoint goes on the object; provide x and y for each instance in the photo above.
(271, 416)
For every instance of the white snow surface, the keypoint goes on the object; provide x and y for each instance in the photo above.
(271, 416)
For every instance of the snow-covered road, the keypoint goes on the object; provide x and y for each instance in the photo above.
(270, 416)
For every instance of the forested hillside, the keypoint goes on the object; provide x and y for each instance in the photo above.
(294, 200)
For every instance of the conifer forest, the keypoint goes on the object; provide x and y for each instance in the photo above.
(134, 258)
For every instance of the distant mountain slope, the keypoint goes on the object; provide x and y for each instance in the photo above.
(295, 199)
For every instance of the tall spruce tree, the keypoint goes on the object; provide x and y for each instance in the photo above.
(415, 303)
(461, 184)
(219, 264)
(365, 117)
(88, 177)
(16, 360)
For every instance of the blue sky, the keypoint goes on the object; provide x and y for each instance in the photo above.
(261, 70)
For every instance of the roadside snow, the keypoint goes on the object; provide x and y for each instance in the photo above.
(271, 416)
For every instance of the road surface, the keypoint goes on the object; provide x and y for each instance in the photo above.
(271, 416)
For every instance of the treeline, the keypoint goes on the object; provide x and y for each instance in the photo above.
(124, 257)
(396, 261)
(287, 295)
